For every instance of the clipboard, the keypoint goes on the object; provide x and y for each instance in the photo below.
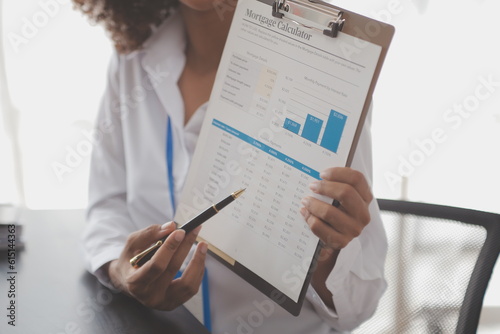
(297, 19)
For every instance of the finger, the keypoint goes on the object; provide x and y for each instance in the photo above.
(196, 267)
(348, 196)
(155, 267)
(333, 217)
(182, 252)
(330, 237)
(352, 177)
(140, 240)
(193, 274)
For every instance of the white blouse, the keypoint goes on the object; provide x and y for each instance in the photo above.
(129, 191)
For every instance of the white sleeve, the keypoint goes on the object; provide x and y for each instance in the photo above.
(108, 221)
(357, 281)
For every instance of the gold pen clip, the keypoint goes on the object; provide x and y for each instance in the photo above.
(138, 257)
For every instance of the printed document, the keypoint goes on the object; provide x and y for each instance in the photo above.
(285, 105)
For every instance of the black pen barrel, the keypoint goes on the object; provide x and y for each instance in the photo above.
(207, 214)
(188, 227)
(200, 219)
(211, 211)
(225, 202)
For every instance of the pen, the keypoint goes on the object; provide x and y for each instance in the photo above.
(208, 213)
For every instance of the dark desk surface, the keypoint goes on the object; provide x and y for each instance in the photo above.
(55, 295)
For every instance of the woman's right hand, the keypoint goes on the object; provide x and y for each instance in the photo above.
(153, 284)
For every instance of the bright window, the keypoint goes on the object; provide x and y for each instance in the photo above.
(56, 70)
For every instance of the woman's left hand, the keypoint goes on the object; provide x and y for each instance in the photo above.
(336, 226)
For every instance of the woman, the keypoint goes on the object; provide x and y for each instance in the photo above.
(159, 81)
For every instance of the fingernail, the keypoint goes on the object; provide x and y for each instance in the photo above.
(179, 235)
(203, 248)
(314, 186)
(323, 174)
(303, 212)
(166, 226)
(305, 201)
(197, 230)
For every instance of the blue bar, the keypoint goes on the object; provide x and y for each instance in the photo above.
(312, 128)
(267, 149)
(333, 131)
(291, 126)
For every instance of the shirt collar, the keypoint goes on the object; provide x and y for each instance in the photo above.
(168, 41)
(162, 58)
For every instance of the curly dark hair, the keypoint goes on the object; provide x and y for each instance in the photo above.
(129, 22)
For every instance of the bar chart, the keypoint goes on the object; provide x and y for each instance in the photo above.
(327, 136)
(312, 128)
(292, 126)
(309, 110)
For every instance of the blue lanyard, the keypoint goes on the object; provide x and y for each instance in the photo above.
(207, 321)
(170, 164)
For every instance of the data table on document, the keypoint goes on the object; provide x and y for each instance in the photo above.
(274, 189)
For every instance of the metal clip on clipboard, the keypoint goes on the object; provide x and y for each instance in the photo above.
(316, 11)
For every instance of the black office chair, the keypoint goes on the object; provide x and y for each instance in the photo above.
(438, 266)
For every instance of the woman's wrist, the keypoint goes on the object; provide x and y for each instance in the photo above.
(110, 269)
(325, 265)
